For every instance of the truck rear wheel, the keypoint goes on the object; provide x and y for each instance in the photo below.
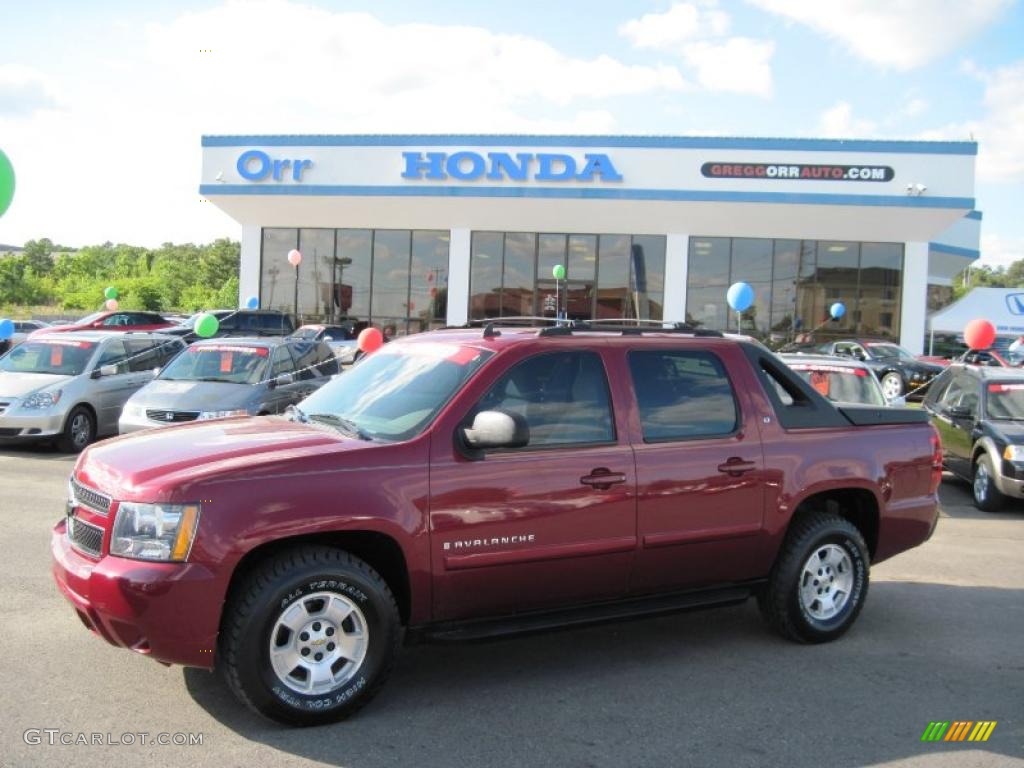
(310, 636)
(819, 582)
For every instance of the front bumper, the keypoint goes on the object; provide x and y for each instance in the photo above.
(17, 423)
(168, 611)
(1009, 486)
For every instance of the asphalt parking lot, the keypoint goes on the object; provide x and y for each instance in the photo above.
(939, 639)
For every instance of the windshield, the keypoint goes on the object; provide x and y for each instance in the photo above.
(889, 350)
(842, 384)
(395, 393)
(234, 364)
(61, 358)
(1006, 401)
(307, 332)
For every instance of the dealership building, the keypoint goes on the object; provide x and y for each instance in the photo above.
(416, 232)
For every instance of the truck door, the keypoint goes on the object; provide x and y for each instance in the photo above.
(700, 469)
(553, 522)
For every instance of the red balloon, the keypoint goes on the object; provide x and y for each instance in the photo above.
(979, 334)
(370, 340)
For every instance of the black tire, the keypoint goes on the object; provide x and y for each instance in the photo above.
(293, 578)
(781, 603)
(986, 496)
(79, 430)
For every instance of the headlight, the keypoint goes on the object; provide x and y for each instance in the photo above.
(1014, 453)
(42, 399)
(205, 415)
(154, 531)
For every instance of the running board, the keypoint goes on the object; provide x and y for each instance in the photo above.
(594, 613)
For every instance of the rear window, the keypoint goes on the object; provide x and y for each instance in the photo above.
(682, 395)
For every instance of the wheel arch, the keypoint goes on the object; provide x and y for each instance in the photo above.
(380, 551)
(857, 505)
(92, 412)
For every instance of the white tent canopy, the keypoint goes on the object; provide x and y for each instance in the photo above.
(1003, 307)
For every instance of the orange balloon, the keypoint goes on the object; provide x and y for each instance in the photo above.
(370, 340)
(979, 334)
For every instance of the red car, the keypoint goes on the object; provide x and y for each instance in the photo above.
(466, 483)
(121, 320)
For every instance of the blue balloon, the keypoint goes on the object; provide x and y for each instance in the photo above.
(6, 329)
(253, 302)
(740, 296)
(837, 310)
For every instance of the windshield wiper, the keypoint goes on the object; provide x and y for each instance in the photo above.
(345, 425)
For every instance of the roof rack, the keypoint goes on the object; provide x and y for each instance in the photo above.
(602, 326)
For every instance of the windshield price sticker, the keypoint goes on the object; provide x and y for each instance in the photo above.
(830, 369)
(1005, 387)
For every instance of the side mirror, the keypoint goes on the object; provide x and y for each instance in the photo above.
(328, 338)
(282, 380)
(959, 411)
(497, 429)
(104, 370)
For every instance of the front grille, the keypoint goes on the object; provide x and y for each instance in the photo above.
(85, 537)
(4, 406)
(87, 497)
(172, 417)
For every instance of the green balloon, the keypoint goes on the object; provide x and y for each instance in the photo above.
(6, 182)
(558, 272)
(206, 325)
(110, 292)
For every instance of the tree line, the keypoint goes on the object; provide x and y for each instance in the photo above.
(182, 277)
(984, 276)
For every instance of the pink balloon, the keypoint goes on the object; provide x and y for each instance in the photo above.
(294, 257)
(979, 334)
(111, 304)
(370, 340)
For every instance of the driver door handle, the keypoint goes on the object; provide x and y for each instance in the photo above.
(603, 478)
(735, 466)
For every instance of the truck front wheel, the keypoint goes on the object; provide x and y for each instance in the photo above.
(310, 636)
(819, 582)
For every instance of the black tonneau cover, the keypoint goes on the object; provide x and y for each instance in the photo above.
(873, 415)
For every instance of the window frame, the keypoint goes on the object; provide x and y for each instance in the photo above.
(737, 408)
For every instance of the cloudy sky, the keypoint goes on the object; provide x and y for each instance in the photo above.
(102, 103)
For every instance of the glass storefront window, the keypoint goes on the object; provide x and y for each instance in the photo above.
(352, 273)
(519, 275)
(428, 282)
(277, 276)
(486, 258)
(647, 278)
(795, 283)
(613, 276)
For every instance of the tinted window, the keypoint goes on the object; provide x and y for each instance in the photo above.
(142, 355)
(682, 395)
(313, 359)
(118, 319)
(282, 362)
(61, 358)
(272, 323)
(562, 396)
(234, 363)
(114, 353)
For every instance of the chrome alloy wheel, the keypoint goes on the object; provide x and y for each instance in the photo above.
(80, 429)
(892, 386)
(826, 582)
(318, 643)
(981, 479)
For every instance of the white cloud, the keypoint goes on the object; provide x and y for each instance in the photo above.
(998, 132)
(24, 90)
(739, 65)
(901, 34)
(998, 250)
(838, 122)
(914, 107)
(680, 23)
(119, 157)
(696, 32)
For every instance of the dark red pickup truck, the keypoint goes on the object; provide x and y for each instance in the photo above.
(466, 483)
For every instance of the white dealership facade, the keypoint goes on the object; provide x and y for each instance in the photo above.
(421, 231)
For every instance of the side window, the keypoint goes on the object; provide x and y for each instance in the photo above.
(952, 394)
(327, 362)
(562, 396)
(272, 324)
(116, 320)
(282, 362)
(166, 350)
(114, 353)
(142, 355)
(228, 322)
(305, 359)
(682, 395)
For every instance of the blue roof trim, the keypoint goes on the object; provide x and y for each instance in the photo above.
(976, 215)
(646, 142)
(954, 250)
(587, 193)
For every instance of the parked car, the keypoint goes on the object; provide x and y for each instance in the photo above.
(70, 387)
(342, 340)
(465, 483)
(230, 377)
(22, 328)
(240, 322)
(979, 412)
(897, 369)
(841, 379)
(120, 320)
(992, 358)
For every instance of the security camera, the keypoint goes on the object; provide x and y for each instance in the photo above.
(920, 188)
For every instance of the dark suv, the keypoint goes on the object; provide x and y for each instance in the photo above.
(979, 412)
(240, 322)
